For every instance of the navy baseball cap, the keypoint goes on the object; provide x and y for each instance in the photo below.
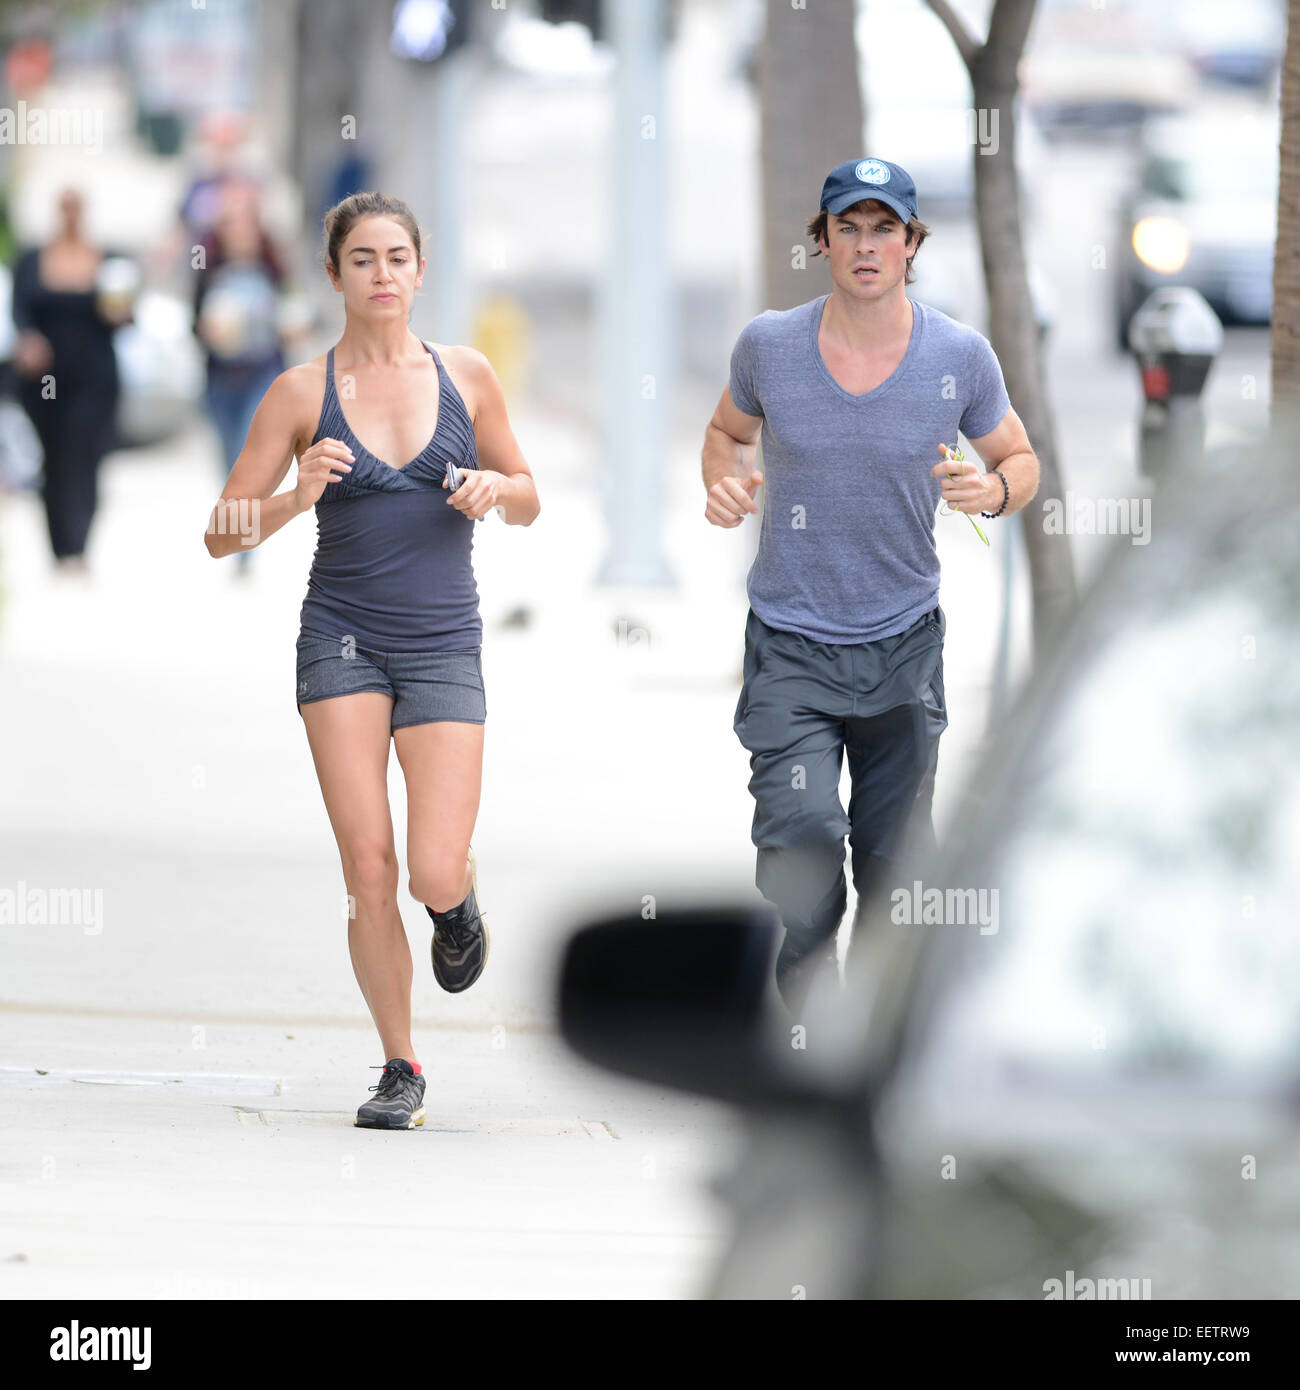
(856, 179)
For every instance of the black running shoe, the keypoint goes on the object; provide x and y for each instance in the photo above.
(399, 1099)
(460, 940)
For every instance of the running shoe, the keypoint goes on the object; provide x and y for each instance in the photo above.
(460, 940)
(399, 1099)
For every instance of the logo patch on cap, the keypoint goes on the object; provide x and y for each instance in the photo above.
(872, 171)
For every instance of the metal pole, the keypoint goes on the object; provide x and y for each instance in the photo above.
(453, 295)
(636, 305)
(1002, 660)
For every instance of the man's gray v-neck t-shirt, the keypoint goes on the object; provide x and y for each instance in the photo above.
(847, 551)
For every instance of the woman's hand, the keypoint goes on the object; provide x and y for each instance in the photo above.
(315, 470)
(116, 315)
(32, 353)
(478, 494)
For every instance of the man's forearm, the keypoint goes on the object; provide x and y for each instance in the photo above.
(1021, 473)
(725, 457)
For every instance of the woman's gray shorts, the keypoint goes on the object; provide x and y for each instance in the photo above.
(425, 686)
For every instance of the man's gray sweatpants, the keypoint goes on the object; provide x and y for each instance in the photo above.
(802, 706)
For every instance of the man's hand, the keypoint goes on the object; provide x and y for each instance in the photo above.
(727, 463)
(970, 491)
(731, 499)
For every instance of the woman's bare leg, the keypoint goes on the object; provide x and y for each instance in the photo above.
(349, 737)
(443, 766)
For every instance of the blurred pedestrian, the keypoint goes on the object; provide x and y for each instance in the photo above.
(222, 162)
(390, 641)
(236, 318)
(69, 297)
(20, 449)
(853, 394)
(218, 161)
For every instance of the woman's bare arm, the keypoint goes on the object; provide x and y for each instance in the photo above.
(247, 513)
(498, 449)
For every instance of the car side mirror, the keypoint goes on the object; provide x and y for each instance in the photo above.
(680, 1001)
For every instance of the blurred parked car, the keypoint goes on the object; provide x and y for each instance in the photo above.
(1203, 212)
(1093, 1076)
(1101, 66)
(161, 370)
(1238, 42)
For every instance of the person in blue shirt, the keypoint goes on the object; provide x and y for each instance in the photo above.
(852, 393)
(238, 282)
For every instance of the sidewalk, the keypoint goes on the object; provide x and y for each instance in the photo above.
(142, 1168)
(204, 1051)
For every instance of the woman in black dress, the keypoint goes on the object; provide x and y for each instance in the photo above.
(67, 372)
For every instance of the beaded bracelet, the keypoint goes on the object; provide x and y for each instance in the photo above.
(1006, 494)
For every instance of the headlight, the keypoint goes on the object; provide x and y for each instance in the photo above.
(1161, 243)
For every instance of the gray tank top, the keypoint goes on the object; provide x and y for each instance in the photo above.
(393, 565)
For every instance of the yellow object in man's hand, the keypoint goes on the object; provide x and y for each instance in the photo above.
(955, 455)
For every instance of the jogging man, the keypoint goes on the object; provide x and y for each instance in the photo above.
(853, 393)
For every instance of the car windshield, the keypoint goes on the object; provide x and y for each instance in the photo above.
(1248, 171)
(1147, 868)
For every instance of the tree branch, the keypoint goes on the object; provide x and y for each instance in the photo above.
(967, 44)
(1009, 26)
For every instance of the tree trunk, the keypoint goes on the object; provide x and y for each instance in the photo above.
(1285, 410)
(329, 35)
(811, 120)
(1012, 328)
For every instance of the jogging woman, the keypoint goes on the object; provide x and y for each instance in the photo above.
(390, 636)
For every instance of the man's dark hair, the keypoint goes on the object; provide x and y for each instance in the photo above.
(819, 227)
